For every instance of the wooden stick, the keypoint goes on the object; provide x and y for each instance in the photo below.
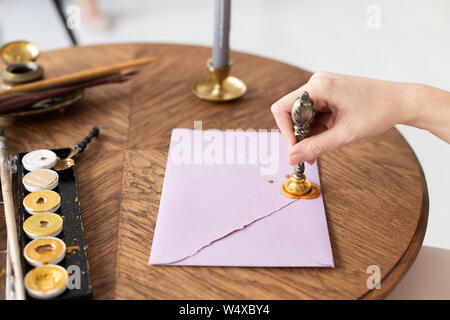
(13, 243)
(77, 76)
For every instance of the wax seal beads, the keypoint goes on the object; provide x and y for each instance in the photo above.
(42, 201)
(46, 282)
(44, 251)
(43, 225)
(52, 238)
(39, 159)
(41, 179)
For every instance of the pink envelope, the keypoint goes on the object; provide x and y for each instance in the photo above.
(218, 207)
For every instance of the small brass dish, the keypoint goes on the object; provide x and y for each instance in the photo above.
(19, 51)
(19, 57)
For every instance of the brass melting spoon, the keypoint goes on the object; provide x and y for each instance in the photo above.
(68, 162)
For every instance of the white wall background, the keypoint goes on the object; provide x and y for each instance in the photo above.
(412, 44)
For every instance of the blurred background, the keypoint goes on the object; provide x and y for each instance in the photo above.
(394, 40)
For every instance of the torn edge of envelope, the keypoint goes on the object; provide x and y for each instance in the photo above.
(227, 235)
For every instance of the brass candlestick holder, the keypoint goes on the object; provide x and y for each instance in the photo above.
(297, 186)
(219, 86)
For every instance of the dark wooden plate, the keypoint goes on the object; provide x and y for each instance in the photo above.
(48, 105)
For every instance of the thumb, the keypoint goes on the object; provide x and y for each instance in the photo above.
(313, 147)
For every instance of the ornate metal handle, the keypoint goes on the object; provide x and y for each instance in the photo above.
(81, 145)
(302, 114)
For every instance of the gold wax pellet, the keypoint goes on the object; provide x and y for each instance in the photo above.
(43, 225)
(45, 279)
(45, 251)
(41, 201)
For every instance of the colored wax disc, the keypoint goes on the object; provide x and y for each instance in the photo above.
(46, 282)
(39, 159)
(43, 225)
(42, 179)
(42, 251)
(42, 201)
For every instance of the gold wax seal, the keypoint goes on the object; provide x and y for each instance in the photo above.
(42, 251)
(300, 188)
(46, 282)
(43, 225)
(42, 201)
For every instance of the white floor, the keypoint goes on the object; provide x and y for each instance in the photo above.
(412, 44)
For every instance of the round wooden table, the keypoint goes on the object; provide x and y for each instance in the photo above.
(375, 193)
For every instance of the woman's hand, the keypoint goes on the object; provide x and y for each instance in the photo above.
(350, 108)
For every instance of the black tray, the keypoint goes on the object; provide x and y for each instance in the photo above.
(72, 233)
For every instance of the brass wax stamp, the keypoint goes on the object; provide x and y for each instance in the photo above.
(297, 186)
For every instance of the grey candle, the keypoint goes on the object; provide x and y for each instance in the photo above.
(221, 48)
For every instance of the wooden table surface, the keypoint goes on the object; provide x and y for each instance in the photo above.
(375, 193)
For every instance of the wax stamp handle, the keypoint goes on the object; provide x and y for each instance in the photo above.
(303, 112)
(82, 145)
(297, 187)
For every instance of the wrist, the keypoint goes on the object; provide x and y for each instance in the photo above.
(413, 107)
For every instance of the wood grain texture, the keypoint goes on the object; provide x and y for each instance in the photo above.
(375, 193)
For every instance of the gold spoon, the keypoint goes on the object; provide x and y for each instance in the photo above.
(68, 162)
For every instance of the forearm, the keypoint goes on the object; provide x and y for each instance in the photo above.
(429, 109)
(361, 108)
